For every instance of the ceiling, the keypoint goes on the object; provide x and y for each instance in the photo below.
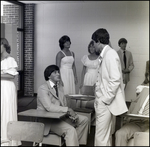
(35, 2)
(38, 2)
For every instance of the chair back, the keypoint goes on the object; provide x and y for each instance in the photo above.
(141, 139)
(87, 90)
(25, 131)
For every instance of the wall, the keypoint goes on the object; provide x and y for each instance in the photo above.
(78, 20)
(29, 50)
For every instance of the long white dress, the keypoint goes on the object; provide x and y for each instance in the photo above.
(67, 77)
(8, 99)
(67, 74)
(91, 70)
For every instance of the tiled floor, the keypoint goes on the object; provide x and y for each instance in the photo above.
(30, 103)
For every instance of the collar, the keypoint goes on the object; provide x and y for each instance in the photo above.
(122, 50)
(103, 51)
(51, 83)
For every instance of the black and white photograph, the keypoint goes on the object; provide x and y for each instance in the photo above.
(74, 73)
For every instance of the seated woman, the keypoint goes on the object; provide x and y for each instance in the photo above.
(146, 80)
(139, 106)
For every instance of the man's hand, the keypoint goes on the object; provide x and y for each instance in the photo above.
(125, 71)
(71, 112)
(72, 115)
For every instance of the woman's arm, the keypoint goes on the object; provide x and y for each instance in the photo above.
(59, 56)
(74, 69)
(58, 59)
(6, 76)
(82, 75)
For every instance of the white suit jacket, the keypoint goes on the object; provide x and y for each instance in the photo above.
(111, 90)
(48, 101)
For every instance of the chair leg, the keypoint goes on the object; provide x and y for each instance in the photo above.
(40, 144)
(36, 144)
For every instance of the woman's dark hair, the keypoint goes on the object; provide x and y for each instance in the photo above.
(49, 70)
(6, 45)
(101, 35)
(90, 44)
(62, 40)
(122, 40)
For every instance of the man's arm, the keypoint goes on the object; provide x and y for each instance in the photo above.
(131, 64)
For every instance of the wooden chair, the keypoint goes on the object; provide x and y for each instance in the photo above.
(26, 131)
(84, 110)
(49, 138)
(139, 138)
(53, 139)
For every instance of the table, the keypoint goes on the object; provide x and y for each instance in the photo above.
(42, 113)
(83, 111)
(134, 116)
(51, 139)
(81, 97)
(137, 116)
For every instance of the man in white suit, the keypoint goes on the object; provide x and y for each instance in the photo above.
(74, 128)
(126, 60)
(109, 91)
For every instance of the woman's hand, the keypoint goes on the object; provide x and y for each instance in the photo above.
(81, 85)
(76, 80)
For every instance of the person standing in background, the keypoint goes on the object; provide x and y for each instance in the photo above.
(8, 92)
(89, 72)
(65, 60)
(146, 80)
(109, 92)
(126, 60)
(90, 66)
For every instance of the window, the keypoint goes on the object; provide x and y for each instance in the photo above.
(12, 12)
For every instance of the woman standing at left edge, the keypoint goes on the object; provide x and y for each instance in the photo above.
(8, 92)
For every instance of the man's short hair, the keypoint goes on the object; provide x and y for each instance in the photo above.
(122, 40)
(101, 35)
(49, 70)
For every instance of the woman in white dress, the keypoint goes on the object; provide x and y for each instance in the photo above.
(65, 60)
(8, 92)
(89, 72)
(90, 66)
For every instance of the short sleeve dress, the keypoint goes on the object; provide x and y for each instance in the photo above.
(91, 70)
(8, 99)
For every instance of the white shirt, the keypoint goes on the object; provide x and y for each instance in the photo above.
(98, 82)
(52, 84)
